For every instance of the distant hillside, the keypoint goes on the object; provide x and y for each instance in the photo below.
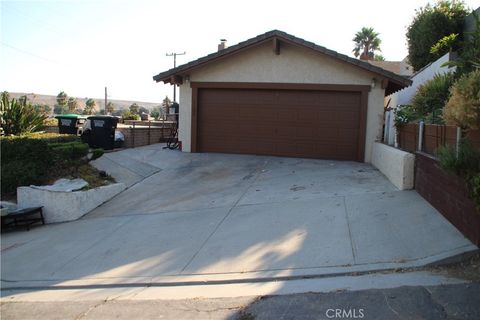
(52, 100)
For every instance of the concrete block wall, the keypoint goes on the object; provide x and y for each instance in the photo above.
(397, 165)
(449, 195)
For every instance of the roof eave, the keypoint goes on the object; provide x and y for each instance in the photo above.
(180, 70)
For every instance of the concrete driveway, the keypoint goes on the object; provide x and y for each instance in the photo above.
(215, 217)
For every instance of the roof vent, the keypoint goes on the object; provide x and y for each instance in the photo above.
(223, 44)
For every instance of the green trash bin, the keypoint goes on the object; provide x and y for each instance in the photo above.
(69, 123)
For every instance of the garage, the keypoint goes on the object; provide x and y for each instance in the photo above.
(292, 123)
(276, 94)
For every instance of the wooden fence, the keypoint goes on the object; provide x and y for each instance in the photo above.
(434, 136)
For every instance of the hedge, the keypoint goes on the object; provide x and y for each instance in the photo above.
(27, 159)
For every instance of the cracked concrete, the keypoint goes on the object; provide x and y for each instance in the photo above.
(454, 301)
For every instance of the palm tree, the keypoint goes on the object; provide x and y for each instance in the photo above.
(72, 104)
(90, 105)
(366, 43)
(110, 107)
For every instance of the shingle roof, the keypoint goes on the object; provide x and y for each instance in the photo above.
(396, 82)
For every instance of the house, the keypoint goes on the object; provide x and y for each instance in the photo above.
(276, 94)
(399, 67)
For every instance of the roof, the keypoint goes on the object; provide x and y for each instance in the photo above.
(395, 81)
(398, 67)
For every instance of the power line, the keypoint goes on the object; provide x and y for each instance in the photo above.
(28, 53)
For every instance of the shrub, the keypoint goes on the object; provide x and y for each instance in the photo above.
(474, 188)
(465, 164)
(19, 116)
(127, 115)
(432, 96)
(51, 137)
(97, 153)
(463, 107)
(69, 151)
(430, 25)
(24, 161)
(405, 114)
(445, 44)
(29, 159)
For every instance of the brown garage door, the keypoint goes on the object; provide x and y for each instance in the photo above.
(294, 123)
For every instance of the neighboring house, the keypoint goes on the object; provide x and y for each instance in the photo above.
(420, 77)
(277, 94)
(402, 68)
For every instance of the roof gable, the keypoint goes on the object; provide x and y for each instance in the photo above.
(395, 81)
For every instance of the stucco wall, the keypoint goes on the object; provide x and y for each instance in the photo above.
(61, 206)
(293, 65)
(396, 165)
(428, 72)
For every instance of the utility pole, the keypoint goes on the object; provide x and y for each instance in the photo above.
(105, 100)
(174, 55)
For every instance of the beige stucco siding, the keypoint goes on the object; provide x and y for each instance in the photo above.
(293, 65)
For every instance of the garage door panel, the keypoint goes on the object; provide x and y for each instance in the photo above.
(294, 123)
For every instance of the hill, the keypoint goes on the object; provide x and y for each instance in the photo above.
(52, 100)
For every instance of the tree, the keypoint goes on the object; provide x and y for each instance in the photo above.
(61, 105)
(90, 105)
(166, 103)
(463, 106)
(134, 108)
(429, 26)
(62, 98)
(379, 57)
(366, 43)
(72, 104)
(43, 108)
(110, 107)
(142, 110)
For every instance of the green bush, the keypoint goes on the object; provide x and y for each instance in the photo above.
(430, 25)
(97, 153)
(127, 115)
(445, 44)
(405, 114)
(431, 97)
(19, 116)
(474, 188)
(465, 165)
(51, 137)
(24, 161)
(29, 159)
(463, 106)
(69, 151)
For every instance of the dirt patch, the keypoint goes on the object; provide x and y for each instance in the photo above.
(468, 269)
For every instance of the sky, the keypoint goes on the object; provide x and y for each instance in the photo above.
(81, 47)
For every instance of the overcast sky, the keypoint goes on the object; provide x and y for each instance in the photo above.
(82, 46)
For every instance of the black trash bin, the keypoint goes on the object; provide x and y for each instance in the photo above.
(101, 133)
(69, 123)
